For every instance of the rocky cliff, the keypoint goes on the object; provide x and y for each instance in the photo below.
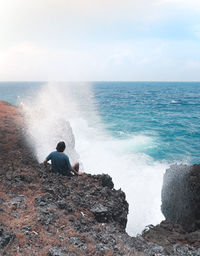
(181, 196)
(46, 214)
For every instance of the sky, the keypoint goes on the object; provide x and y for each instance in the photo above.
(100, 40)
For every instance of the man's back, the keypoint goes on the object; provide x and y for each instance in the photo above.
(60, 162)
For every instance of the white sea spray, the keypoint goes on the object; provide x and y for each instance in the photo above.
(69, 112)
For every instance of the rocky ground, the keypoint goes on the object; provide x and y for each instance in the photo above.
(45, 214)
(181, 196)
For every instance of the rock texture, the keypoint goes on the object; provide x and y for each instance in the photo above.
(46, 214)
(181, 196)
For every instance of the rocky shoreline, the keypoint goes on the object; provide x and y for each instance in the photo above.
(46, 214)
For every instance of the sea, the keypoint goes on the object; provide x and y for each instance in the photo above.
(133, 131)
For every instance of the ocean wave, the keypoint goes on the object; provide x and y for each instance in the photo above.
(125, 159)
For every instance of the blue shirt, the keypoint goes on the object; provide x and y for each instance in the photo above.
(59, 162)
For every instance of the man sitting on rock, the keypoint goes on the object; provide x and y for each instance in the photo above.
(60, 161)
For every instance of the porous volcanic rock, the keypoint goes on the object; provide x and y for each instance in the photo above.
(5, 238)
(181, 196)
(43, 213)
(46, 214)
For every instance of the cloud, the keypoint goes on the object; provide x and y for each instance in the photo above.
(196, 30)
(134, 60)
(64, 23)
(27, 61)
(192, 4)
(70, 20)
(98, 39)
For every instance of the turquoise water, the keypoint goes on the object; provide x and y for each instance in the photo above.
(166, 112)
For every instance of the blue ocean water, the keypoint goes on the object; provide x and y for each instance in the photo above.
(167, 112)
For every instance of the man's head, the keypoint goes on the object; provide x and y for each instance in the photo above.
(60, 146)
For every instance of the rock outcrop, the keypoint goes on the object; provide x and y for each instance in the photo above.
(181, 196)
(46, 214)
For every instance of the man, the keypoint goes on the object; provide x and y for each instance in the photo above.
(60, 161)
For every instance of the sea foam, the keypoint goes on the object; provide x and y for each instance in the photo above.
(69, 112)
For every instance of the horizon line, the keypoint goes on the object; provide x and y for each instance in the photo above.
(100, 81)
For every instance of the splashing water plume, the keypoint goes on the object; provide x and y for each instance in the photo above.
(69, 112)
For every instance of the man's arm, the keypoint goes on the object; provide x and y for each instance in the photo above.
(47, 159)
(45, 162)
(74, 171)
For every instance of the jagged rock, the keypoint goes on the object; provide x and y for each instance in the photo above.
(54, 251)
(46, 217)
(106, 181)
(185, 251)
(181, 196)
(17, 202)
(5, 238)
(80, 215)
(77, 241)
(65, 205)
(168, 234)
(44, 200)
(101, 213)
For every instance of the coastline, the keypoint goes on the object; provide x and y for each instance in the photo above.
(47, 214)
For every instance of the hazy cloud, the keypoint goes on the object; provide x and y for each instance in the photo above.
(99, 40)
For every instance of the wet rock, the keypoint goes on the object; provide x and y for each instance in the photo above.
(113, 210)
(120, 209)
(181, 196)
(106, 181)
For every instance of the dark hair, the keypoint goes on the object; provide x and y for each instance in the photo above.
(60, 146)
